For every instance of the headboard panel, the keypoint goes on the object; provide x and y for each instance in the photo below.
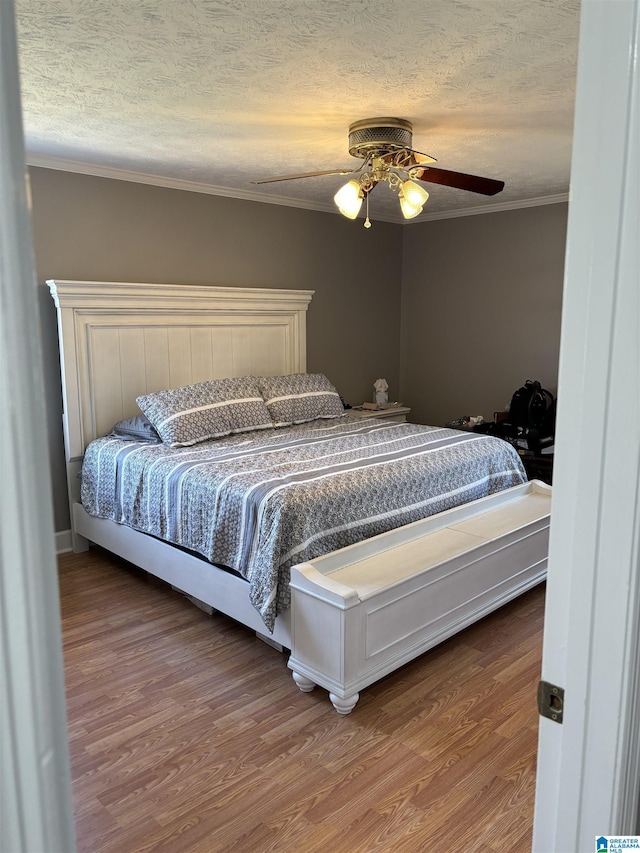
(121, 340)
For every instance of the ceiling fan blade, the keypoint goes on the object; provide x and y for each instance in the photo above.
(461, 181)
(420, 159)
(306, 175)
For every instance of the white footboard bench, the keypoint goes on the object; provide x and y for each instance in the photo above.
(362, 612)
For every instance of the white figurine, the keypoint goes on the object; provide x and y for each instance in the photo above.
(380, 396)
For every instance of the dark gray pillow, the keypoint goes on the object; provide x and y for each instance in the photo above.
(137, 428)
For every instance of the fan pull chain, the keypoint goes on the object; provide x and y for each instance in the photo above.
(367, 223)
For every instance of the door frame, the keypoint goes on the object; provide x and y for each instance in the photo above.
(35, 779)
(589, 766)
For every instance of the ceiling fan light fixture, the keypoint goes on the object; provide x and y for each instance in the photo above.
(349, 199)
(412, 199)
(385, 147)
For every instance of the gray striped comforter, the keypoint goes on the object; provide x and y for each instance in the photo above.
(262, 502)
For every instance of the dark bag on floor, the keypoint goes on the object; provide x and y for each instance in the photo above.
(531, 421)
(530, 406)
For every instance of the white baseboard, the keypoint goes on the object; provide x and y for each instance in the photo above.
(63, 541)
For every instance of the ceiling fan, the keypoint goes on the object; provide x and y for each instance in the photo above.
(385, 146)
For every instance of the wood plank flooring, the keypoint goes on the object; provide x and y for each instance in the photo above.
(188, 734)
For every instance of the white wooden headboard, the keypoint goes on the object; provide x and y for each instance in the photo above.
(120, 340)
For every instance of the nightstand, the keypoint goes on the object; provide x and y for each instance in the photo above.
(398, 414)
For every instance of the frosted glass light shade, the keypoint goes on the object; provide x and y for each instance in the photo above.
(412, 198)
(414, 193)
(409, 210)
(349, 199)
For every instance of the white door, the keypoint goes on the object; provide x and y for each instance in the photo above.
(589, 766)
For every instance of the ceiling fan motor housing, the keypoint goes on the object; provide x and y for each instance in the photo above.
(383, 135)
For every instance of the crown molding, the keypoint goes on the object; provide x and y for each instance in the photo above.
(48, 161)
(491, 208)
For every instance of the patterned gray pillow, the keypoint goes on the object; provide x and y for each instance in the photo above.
(213, 409)
(300, 397)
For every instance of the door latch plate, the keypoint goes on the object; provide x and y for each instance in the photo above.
(550, 701)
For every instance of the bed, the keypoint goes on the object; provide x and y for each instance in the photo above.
(120, 342)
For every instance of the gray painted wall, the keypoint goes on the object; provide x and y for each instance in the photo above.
(481, 306)
(92, 228)
(454, 313)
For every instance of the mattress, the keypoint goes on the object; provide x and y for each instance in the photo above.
(265, 501)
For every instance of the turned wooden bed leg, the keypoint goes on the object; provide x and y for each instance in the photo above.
(342, 706)
(303, 683)
(346, 705)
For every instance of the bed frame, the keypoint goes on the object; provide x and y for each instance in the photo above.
(352, 620)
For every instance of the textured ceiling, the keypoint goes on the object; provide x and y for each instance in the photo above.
(219, 92)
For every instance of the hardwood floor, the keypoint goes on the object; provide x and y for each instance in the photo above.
(188, 734)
